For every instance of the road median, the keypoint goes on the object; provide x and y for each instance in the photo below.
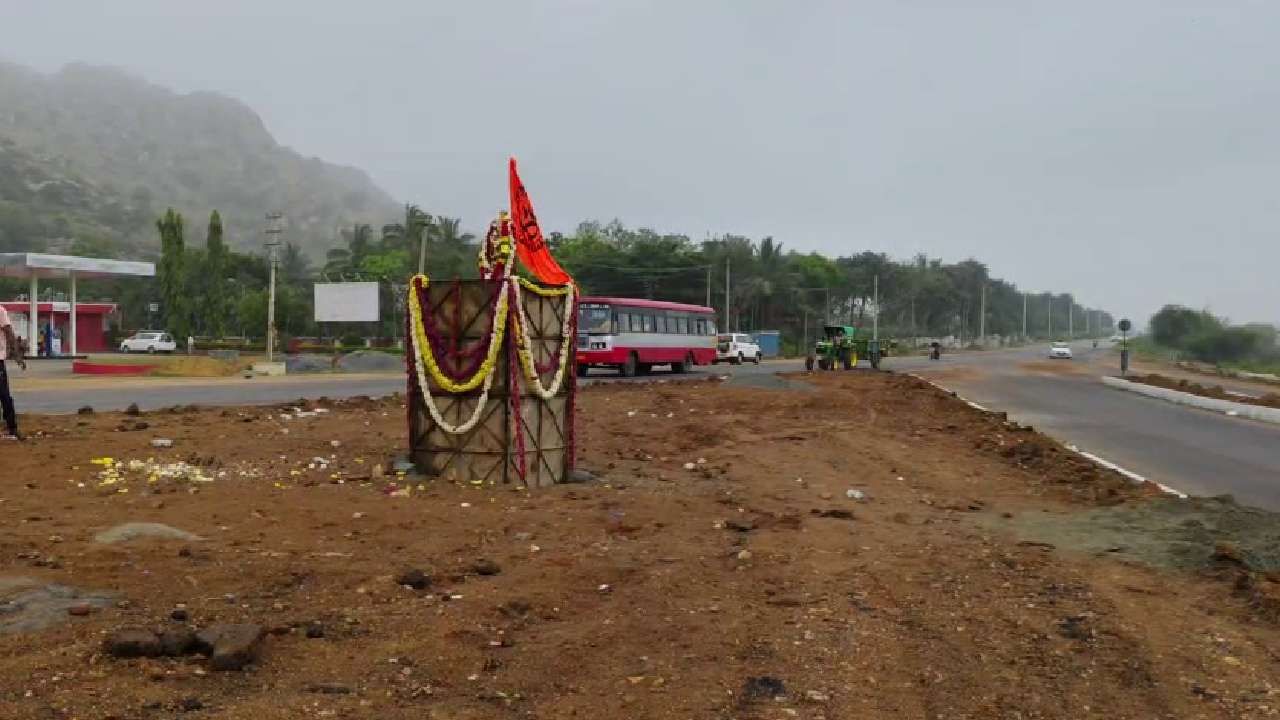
(1226, 407)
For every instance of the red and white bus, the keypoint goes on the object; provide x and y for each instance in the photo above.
(634, 335)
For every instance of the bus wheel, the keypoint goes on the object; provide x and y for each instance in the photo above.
(680, 367)
(582, 370)
(630, 367)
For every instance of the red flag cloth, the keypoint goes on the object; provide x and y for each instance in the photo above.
(530, 247)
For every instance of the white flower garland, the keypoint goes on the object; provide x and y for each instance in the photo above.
(526, 354)
(435, 411)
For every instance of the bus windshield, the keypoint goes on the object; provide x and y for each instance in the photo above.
(595, 319)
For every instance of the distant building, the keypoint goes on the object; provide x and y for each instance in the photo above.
(93, 322)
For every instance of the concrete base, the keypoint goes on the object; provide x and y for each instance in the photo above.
(271, 369)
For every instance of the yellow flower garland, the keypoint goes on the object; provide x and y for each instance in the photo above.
(423, 343)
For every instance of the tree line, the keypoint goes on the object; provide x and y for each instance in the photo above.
(211, 290)
(1200, 335)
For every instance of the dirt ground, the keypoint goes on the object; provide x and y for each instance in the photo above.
(754, 585)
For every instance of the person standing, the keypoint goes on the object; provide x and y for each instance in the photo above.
(10, 349)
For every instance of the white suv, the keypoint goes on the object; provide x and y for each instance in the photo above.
(149, 342)
(736, 348)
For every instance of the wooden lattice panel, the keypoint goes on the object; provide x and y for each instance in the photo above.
(488, 454)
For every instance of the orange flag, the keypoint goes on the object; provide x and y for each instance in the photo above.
(530, 247)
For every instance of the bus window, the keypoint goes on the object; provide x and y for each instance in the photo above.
(648, 323)
(665, 324)
(682, 325)
(620, 322)
(711, 326)
(637, 323)
(595, 319)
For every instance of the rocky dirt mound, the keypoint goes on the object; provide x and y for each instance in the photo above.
(848, 551)
(1216, 392)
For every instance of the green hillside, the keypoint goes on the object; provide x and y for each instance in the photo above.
(93, 155)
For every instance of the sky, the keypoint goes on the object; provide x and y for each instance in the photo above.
(1125, 152)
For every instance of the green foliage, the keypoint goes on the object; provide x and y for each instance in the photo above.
(172, 275)
(1175, 326)
(1201, 336)
(214, 276)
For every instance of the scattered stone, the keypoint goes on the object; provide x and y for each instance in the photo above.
(180, 615)
(690, 466)
(744, 555)
(335, 443)
(327, 688)
(582, 477)
(742, 526)
(132, 531)
(132, 410)
(161, 443)
(763, 688)
(30, 605)
(1075, 627)
(190, 704)
(315, 630)
(816, 696)
(230, 647)
(414, 578)
(132, 643)
(177, 642)
(837, 513)
(853, 494)
(86, 410)
(485, 567)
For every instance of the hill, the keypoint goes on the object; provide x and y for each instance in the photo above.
(92, 155)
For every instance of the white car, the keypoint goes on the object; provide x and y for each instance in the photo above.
(1060, 350)
(149, 342)
(737, 348)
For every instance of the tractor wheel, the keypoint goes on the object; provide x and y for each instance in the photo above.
(824, 364)
(850, 360)
(630, 367)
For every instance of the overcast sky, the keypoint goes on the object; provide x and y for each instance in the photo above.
(1126, 151)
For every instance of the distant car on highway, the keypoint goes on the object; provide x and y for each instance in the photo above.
(148, 342)
(1059, 351)
(736, 348)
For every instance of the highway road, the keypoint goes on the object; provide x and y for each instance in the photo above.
(1194, 451)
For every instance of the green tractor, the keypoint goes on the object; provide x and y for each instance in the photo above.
(841, 345)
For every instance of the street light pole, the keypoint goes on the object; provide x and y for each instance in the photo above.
(982, 316)
(1024, 317)
(875, 319)
(273, 244)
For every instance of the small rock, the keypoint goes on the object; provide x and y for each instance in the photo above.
(327, 688)
(414, 578)
(180, 614)
(161, 443)
(132, 410)
(335, 443)
(742, 526)
(744, 555)
(315, 630)
(523, 536)
(190, 704)
(763, 688)
(80, 609)
(131, 531)
(690, 466)
(816, 696)
(853, 494)
(834, 513)
(582, 476)
(485, 567)
(233, 646)
(177, 642)
(86, 410)
(132, 643)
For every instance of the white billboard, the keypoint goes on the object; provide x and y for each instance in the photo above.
(346, 302)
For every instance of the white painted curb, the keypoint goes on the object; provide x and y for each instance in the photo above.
(1226, 407)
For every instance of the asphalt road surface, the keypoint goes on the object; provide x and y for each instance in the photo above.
(1194, 451)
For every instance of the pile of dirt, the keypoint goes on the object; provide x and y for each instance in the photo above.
(1216, 392)
(849, 551)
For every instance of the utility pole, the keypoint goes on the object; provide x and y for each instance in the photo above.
(1050, 317)
(273, 245)
(982, 316)
(1071, 329)
(726, 294)
(875, 319)
(708, 286)
(1024, 317)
